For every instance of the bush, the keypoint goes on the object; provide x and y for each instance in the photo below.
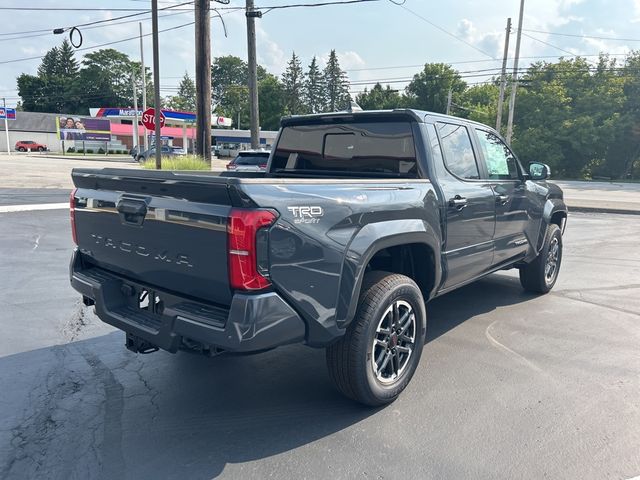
(80, 150)
(101, 150)
(186, 162)
(71, 150)
(89, 150)
(120, 152)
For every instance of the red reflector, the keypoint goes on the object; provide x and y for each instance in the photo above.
(231, 166)
(72, 215)
(241, 234)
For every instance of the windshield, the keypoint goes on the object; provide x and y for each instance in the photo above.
(251, 160)
(367, 148)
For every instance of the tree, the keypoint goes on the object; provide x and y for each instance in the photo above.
(230, 86)
(429, 89)
(54, 87)
(314, 89)
(185, 100)
(272, 102)
(379, 98)
(106, 78)
(336, 84)
(479, 103)
(293, 81)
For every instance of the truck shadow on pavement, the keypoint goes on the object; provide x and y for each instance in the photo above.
(92, 409)
(446, 312)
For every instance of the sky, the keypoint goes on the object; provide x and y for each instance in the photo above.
(375, 41)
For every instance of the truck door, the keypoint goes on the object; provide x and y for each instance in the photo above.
(469, 209)
(504, 174)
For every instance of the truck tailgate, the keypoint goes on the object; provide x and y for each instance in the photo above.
(160, 229)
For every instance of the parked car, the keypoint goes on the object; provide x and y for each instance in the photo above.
(360, 219)
(166, 151)
(250, 161)
(135, 151)
(26, 145)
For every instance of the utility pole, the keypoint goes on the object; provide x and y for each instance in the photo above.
(135, 115)
(503, 77)
(514, 86)
(156, 82)
(449, 99)
(203, 78)
(144, 85)
(6, 124)
(251, 15)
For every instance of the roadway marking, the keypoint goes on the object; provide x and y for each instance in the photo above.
(33, 207)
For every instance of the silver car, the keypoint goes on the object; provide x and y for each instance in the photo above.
(250, 161)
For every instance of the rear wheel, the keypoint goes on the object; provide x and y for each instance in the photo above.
(379, 353)
(541, 275)
(22, 149)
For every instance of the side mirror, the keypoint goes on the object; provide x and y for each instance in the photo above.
(539, 171)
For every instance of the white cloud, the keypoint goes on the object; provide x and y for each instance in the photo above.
(270, 55)
(490, 42)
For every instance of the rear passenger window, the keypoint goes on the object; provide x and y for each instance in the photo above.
(501, 164)
(458, 153)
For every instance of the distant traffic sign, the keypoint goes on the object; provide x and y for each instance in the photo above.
(149, 121)
(7, 113)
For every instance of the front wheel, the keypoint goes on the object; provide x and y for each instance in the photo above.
(22, 149)
(541, 275)
(379, 353)
(41, 149)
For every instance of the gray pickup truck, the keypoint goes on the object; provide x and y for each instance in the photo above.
(360, 219)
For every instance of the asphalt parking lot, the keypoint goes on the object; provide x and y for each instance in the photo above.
(510, 385)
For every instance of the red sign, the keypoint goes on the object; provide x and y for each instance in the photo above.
(149, 120)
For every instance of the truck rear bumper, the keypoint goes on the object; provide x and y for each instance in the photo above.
(250, 323)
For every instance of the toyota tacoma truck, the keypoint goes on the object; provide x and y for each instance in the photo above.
(359, 220)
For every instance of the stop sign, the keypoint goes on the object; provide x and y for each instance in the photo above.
(148, 119)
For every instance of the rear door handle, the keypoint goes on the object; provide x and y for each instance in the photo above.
(502, 199)
(458, 202)
(131, 211)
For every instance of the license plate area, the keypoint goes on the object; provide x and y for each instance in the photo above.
(149, 301)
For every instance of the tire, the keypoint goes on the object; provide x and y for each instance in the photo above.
(351, 360)
(41, 149)
(22, 149)
(541, 275)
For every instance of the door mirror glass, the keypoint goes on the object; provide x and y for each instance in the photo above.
(539, 171)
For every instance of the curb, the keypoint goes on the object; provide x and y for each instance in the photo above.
(123, 159)
(615, 211)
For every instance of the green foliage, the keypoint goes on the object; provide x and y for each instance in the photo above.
(293, 80)
(336, 84)
(185, 162)
(71, 150)
(379, 98)
(314, 90)
(429, 88)
(63, 86)
(185, 100)
(101, 150)
(271, 98)
(89, 150)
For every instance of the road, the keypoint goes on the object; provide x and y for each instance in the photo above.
(510, 385)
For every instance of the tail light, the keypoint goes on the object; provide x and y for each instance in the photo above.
(263, 165)
(231, 166)
(72, 215)
(242, 235)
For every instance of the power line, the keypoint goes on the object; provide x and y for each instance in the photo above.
(460, 39)
(583, 36)
(48, 31)
(100, 45)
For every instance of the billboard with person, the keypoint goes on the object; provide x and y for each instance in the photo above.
(83, 128)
